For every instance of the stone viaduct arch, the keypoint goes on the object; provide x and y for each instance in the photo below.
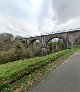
(69, 38)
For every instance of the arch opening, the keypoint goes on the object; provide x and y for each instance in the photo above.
(36, 47)
(56, 44)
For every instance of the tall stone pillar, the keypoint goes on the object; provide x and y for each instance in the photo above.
(44, 46)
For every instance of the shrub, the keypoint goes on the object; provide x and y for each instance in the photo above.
(7, 56)
(18, 52)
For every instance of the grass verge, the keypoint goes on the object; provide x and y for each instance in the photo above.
(19, 76)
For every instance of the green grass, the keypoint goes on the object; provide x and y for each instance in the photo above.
(18, 72)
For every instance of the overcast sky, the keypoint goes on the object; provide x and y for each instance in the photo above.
(36, 17)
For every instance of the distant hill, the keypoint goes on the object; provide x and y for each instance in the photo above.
(8, 41)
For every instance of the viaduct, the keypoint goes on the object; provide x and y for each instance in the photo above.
(71, 38)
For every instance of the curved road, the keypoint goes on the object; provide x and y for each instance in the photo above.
(64, 79)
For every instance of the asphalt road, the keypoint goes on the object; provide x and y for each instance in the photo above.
(64, 79)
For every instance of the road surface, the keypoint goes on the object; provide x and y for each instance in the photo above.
(64, 79)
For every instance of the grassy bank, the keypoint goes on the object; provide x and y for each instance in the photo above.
(15, 74)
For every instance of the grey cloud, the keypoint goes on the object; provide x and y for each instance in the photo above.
(66, 9)
(43, 11)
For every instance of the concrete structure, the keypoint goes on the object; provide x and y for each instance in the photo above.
(71, 38)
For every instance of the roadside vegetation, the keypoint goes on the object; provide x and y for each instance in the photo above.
(18, 75)
(18, 71)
